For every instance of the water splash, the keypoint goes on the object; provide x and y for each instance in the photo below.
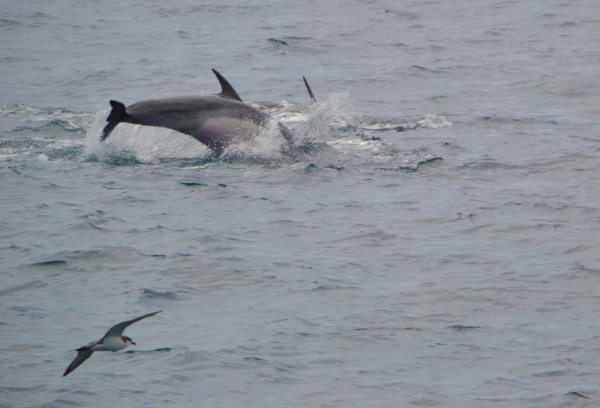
(434, 122)
(268, 145)
(333, 113)
(328, 135)
(429, 122)
(129, 144)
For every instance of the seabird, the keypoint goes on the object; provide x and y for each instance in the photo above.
(113, 340)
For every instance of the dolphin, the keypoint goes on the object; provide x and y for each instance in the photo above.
(215, 120)
(285, 107)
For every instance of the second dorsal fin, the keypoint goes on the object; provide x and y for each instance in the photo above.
(310, 93)
(227, 90)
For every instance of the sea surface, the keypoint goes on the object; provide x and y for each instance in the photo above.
(432, 241)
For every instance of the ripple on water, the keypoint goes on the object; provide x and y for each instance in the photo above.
(155, 295)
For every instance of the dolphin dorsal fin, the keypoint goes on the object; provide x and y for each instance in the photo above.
(227, 90)
(312, 96)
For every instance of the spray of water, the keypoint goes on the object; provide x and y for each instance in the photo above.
(323, 117)
(267, 145)
(326, 135)
(142, 144)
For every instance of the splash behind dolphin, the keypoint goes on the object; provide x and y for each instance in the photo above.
(216, 120)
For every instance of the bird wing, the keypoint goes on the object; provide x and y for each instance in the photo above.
(83, 355)
(118, 329)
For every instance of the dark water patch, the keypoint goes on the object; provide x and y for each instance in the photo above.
(34, 389)
(99, 219)
(412, 166)
(374, 237)
(337, 167)
(100, 77)
(577, 249)
(54, 262)
(134, 392)
(111, 185)
(460, 327)
(193, 184)
(19, 288)
(152, 294)
(488, 165)
(256, 359)
(372, 124)
(324, 288)
(42, 16)
(71, 257)
(120, 161)
(401, 14)
(437, 98)
(209, 239)
(502, 120)
(326, 361)
(549, 374)
(512, 229)
(587, 269)
(81, 392)
(277, 41)
(577, 394)
(310, 167)
(158, 350)
(9, 23)
(453, 146)
(386, 328)
(417, 70)
(13, 248)
(68, 402)
(299, 38)
(189, 357)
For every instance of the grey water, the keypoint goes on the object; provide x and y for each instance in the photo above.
(433, 240)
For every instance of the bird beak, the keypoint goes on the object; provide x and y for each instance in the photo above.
(133, 343)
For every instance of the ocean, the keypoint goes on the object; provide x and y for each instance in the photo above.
(432, 241)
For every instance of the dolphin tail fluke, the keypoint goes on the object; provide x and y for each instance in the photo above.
(227, 90)
(117, 115)
(310, 93)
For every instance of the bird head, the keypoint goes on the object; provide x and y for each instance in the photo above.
(127, 340)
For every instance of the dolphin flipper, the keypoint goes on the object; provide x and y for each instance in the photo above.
(117, 114)
(312, 96)
(227, 90)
